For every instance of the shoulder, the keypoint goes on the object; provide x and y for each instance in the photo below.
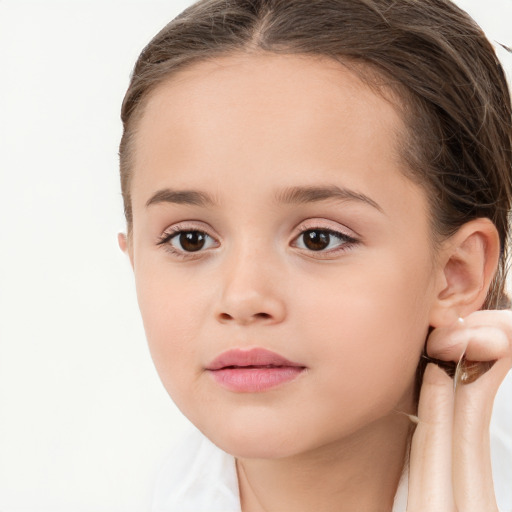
(197, 477)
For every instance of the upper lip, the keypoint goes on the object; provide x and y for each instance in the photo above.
(251, 357)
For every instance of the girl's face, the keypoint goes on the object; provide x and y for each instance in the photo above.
(271, 212)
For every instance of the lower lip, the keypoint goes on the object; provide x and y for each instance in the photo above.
(255, 380)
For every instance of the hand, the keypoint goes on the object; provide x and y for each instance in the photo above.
(450, 464)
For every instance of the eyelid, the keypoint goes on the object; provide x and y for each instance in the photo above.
(170, 232)
(189, 225)
(348, 239)
(326, 225)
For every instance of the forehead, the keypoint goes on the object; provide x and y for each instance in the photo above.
(266, 118)
(293, 87)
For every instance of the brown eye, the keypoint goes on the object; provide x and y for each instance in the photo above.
(182, 241)
(323, 240)
(191, 241)
(316, 239)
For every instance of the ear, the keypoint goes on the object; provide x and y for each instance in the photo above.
(125, 246)
(467, 264)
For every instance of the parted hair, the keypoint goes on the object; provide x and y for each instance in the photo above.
(449, 86)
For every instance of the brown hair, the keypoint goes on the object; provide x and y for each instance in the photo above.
(455, 100)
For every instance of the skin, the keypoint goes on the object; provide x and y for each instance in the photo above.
(246, 130)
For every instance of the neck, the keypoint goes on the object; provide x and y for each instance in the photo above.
(360, 472)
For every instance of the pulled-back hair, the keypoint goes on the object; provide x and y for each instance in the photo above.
(453, 92)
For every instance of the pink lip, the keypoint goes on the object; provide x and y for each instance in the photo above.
(252, 371)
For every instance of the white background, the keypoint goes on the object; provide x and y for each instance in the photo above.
(84, 420)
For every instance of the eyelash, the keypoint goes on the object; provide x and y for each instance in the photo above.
(176, 231)
(346, 242)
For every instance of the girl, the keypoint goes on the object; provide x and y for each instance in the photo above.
(317, 198)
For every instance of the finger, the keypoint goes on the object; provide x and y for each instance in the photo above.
(472, 473)
(498, 318)
(479, 343)
(430, 475)
(484, 338)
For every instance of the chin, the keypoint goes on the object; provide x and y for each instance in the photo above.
(249, 446)
(254, 439)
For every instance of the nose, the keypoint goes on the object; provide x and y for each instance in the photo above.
(251, 293)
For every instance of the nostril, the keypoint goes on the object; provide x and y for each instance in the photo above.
(226, 317)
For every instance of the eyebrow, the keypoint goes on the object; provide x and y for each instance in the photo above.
(291, 195)
(190, 197)
(299, 195)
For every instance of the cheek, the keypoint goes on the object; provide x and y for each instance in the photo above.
(371, 326)
(173, 313)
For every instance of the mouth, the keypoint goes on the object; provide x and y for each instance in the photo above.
(253, 371)
(250, 367)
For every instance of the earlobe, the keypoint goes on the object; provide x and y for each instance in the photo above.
(468, 262)
(122, 241)
(124, 245)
